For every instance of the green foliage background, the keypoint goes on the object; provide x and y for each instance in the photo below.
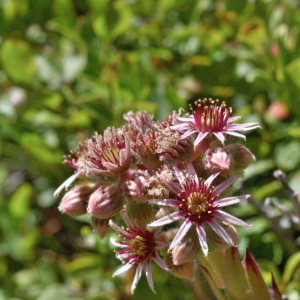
(72, 67)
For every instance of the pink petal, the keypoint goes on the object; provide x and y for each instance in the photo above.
(127, 148)
(184, 228)
(111, 166)
(122, 157)
(210, 179)
(172, 186)
(223, 186)
(137, 277)
(235, 134)
(200, 137)
(220, 136)
(126, 219)
(123, 269)
(65, 184)
(220, 231)
(193, 174)
(182, 119)
(159, 245)
(167, 219)
(165, 202)
(230, 120)
(160, 262)
(182, 126)
(180, 177)
(229, 218)
(116, 228)
(117, 243)
(188, 133)
(202, 238)
(229, 201)
(149, 275)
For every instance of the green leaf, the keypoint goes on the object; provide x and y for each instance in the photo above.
(19, 202)
(17, 60)
(83, 262)
(287, 156)
(291, 265)
(293, 71)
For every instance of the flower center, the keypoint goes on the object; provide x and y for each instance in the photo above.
(197, 204)
(142, 246)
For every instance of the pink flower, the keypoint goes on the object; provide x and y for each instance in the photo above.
(139, 248)
(197, 203)
(211, 119)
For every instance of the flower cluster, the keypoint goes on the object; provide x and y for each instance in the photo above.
(150, 174)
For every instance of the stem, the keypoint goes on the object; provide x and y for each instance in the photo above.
(122, 178)
(199, 286)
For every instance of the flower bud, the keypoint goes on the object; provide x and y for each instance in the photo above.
(241, 157)
(171, 147)
(105, 202)
(217, 160)
(141, 119)
(136, 189)
(101, 226)
(216, 241)
(187, 250)
(75, 201)
(185, 270)
(141, 212)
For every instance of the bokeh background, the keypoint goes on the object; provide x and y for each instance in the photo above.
(72, 67)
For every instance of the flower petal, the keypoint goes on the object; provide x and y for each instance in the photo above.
(149, 275)
(159, 245)
(123, 269)
(230, 120)
(184, 228)
(223, 186)
(235, 134)
(172, 186)
(137, 276)
(160, 262)
(229, 218)
(210, 179)
(183, 119)
(182, 126)
(220, 136)
(220, 231)
(65, 184)
(116, 228)
(117, 243)
(165, 202)
(167, 219)
(126, 219)
(193, 174)
(180, 177)
(188, 133)
(200, 137)
(229, 201)
(202, 238)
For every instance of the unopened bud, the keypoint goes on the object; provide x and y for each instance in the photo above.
(101, 226)
(75, 201)
(136, 189)
(105, 202)
(141, 212)
(216, 241)
(241, 157)
(217, 160)
(187, 250)
(185, 270)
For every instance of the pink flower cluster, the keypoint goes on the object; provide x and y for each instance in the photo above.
(150, 174)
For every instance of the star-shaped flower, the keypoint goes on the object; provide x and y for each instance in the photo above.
(197, 203)
(139, 248)
(211, 119)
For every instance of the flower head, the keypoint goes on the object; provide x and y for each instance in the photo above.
(138, 248)
(109, 156)
(210, 119)
(197, 203)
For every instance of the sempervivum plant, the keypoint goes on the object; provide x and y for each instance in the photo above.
(149, 174)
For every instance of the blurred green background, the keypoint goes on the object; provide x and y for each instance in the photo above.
(72, 67)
